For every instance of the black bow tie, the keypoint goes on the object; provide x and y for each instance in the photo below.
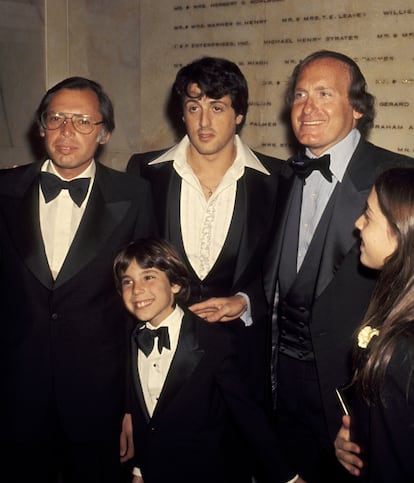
(304, 166)
(145, 339)
(52, 185)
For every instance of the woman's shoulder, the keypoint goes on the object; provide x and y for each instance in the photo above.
(400, 372)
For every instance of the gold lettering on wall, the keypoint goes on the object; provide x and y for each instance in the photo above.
(267, 38)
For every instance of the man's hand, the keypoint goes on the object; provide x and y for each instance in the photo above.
(126, 441)
(346, 451)
(137, 479)
(220, 309)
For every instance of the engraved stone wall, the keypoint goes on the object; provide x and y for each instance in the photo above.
(267, 38)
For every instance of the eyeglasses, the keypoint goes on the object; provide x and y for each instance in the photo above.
(83, 123)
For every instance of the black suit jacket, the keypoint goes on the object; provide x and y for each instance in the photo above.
(343, 286)
(203, 396)
(248, 237)
(63, 343)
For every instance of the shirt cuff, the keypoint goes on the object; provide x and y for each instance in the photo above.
(293, 479)
(137, 472)
(246, 317)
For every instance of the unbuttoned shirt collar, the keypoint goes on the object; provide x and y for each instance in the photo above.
(245, 158)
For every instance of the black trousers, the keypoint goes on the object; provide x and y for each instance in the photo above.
(52, 458)
(301, 423)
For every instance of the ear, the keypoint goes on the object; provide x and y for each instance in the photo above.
(239, 119)
(175, 288)
(357, 115)
(41, 133)
(103, 137)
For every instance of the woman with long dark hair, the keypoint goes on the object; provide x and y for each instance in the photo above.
(381, 419)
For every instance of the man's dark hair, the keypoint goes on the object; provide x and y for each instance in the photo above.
(216, 78)
(154, 253)
(360, 99)
(81, 83)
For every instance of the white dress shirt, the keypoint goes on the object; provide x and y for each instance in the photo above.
(60, 218)
(205, 222)
(153, 369)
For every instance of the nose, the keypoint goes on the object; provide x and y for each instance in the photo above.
(359, 223)
(67, 128)
(309, 105)
(204, 118)
(137, 288)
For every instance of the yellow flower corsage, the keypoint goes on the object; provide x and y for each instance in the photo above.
(365, 335)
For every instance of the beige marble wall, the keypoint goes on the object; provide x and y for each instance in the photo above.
(267, 38)
(45, 41)
(21, 76)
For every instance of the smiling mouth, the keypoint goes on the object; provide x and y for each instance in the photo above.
(312, 123)
(142, 304)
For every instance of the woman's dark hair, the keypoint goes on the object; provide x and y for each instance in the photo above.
(360, 100)
(80, 83)
(216, 78)
(154, 253)
(391, 309)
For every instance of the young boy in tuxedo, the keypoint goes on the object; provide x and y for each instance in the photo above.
(187, 394)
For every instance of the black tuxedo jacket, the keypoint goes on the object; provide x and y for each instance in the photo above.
(238, 267)
(343, 286)
(202, 398)
(63, 343)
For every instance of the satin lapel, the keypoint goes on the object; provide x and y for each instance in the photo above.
(172, 219)
(163, 180)
(100, 219)
(186, 358)
(254, 200)
(24, 227)
(340, 237)
(136, 378)
(287, 183)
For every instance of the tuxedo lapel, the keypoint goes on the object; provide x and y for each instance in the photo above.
(252, 210)
(26, 234)
(186, 358)
(136, 378)
(348, 206)
(288, 183)
(165, 184)
(100, 219)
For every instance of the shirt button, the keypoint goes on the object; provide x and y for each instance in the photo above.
(54, 316)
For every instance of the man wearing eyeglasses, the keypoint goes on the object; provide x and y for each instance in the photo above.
(63, 335)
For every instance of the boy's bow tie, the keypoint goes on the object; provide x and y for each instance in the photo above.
(145, 339)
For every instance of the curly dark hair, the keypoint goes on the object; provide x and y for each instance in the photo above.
(154, 253)
(216, 78)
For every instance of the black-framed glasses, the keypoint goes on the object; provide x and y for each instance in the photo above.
(83, 123)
